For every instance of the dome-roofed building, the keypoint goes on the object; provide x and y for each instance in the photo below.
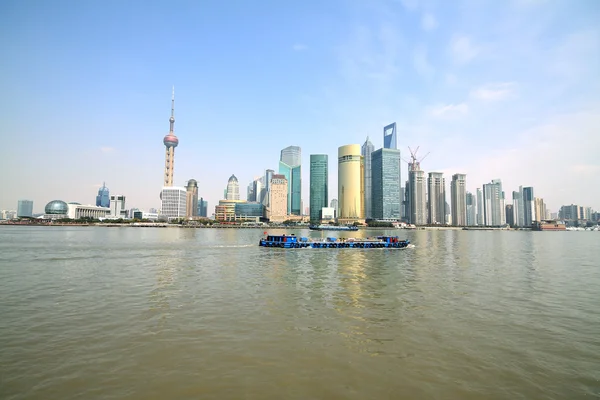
(56, 207)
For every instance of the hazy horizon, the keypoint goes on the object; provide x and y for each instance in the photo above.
(506, 91)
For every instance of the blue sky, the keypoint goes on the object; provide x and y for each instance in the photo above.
(507, 90)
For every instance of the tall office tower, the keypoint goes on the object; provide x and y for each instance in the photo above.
(117, 206)
(479, 207)
(334, 204)
(493, 207)
(528, 206)
(458, 198)
(173, 200)
(25, 208)
(290, 166)
(407, 201)
(319, 185)
(103, 197)
(385, 164)
(417, 194)
(350, 183)
(517, 208)
(510, 215)
(402, 203)
(202, 207)
(366, 151)
(436, 198)
(389, 136)
(471, 201)
(250, 194)
(540, 209)
(278, 198)
(266, 185)
(170, 141)
(191, 200)
(233, 189)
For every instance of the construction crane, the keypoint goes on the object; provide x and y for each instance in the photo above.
(415, 163)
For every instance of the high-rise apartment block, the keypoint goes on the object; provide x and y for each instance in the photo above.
(191, 208)
(385, 165)
(417, 194)
(518, 208)
(436, 198)
(493, 207)
(319, 185)
(25, 208)
(528, 206)
(458, 199)
(350, 183)
(479, 206)
(471, 201)
(366, 151)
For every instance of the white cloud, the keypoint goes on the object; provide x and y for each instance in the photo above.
(299, 47)
(494, 91)
(450, 110)
(107, 149)
(462, 50)
(428, 22)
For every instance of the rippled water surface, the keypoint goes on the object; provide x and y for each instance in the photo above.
(150, 313)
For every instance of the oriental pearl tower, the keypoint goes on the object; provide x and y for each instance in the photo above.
(170, 142)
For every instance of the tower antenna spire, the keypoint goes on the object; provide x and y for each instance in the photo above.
(172, 119)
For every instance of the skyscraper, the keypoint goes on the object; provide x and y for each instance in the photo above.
(436, 198)
(103, 197)
(510, 215)
(191, 202)
(366, 151)
(278, 201)
(517, 208)
(170, 141)
(417, 194)
(117, 206)
(202, 207)
(493, 207)
(385, 165)
(479, 207)
(250, 193)
(290, 167)
(319, 186)
(458, 198)
(264, 193)
(471, 201)
(389, 136)
(25, 208)
(233, 189)
(528, 206)
(334, 204)
(350, 183)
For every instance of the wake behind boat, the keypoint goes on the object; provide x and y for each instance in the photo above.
(293, 242)
(333, 228)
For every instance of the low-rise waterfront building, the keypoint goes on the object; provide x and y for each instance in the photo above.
(25, 208)
(173, 200)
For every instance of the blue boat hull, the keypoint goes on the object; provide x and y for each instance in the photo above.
(335, 245)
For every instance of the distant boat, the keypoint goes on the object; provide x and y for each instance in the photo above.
(293, 242)
(333, 228)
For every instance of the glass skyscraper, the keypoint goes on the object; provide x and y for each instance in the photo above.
(389, 136)
(289, 166)
(103, 198)
(385, 180)
(202, 207)
(319, 188)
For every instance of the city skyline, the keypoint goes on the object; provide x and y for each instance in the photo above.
(454, 88)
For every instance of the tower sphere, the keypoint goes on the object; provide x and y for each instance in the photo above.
(171, 141)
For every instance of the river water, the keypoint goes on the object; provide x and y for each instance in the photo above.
(168, 313)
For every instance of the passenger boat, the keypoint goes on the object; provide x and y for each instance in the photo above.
(293, 242)
(333, 228)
